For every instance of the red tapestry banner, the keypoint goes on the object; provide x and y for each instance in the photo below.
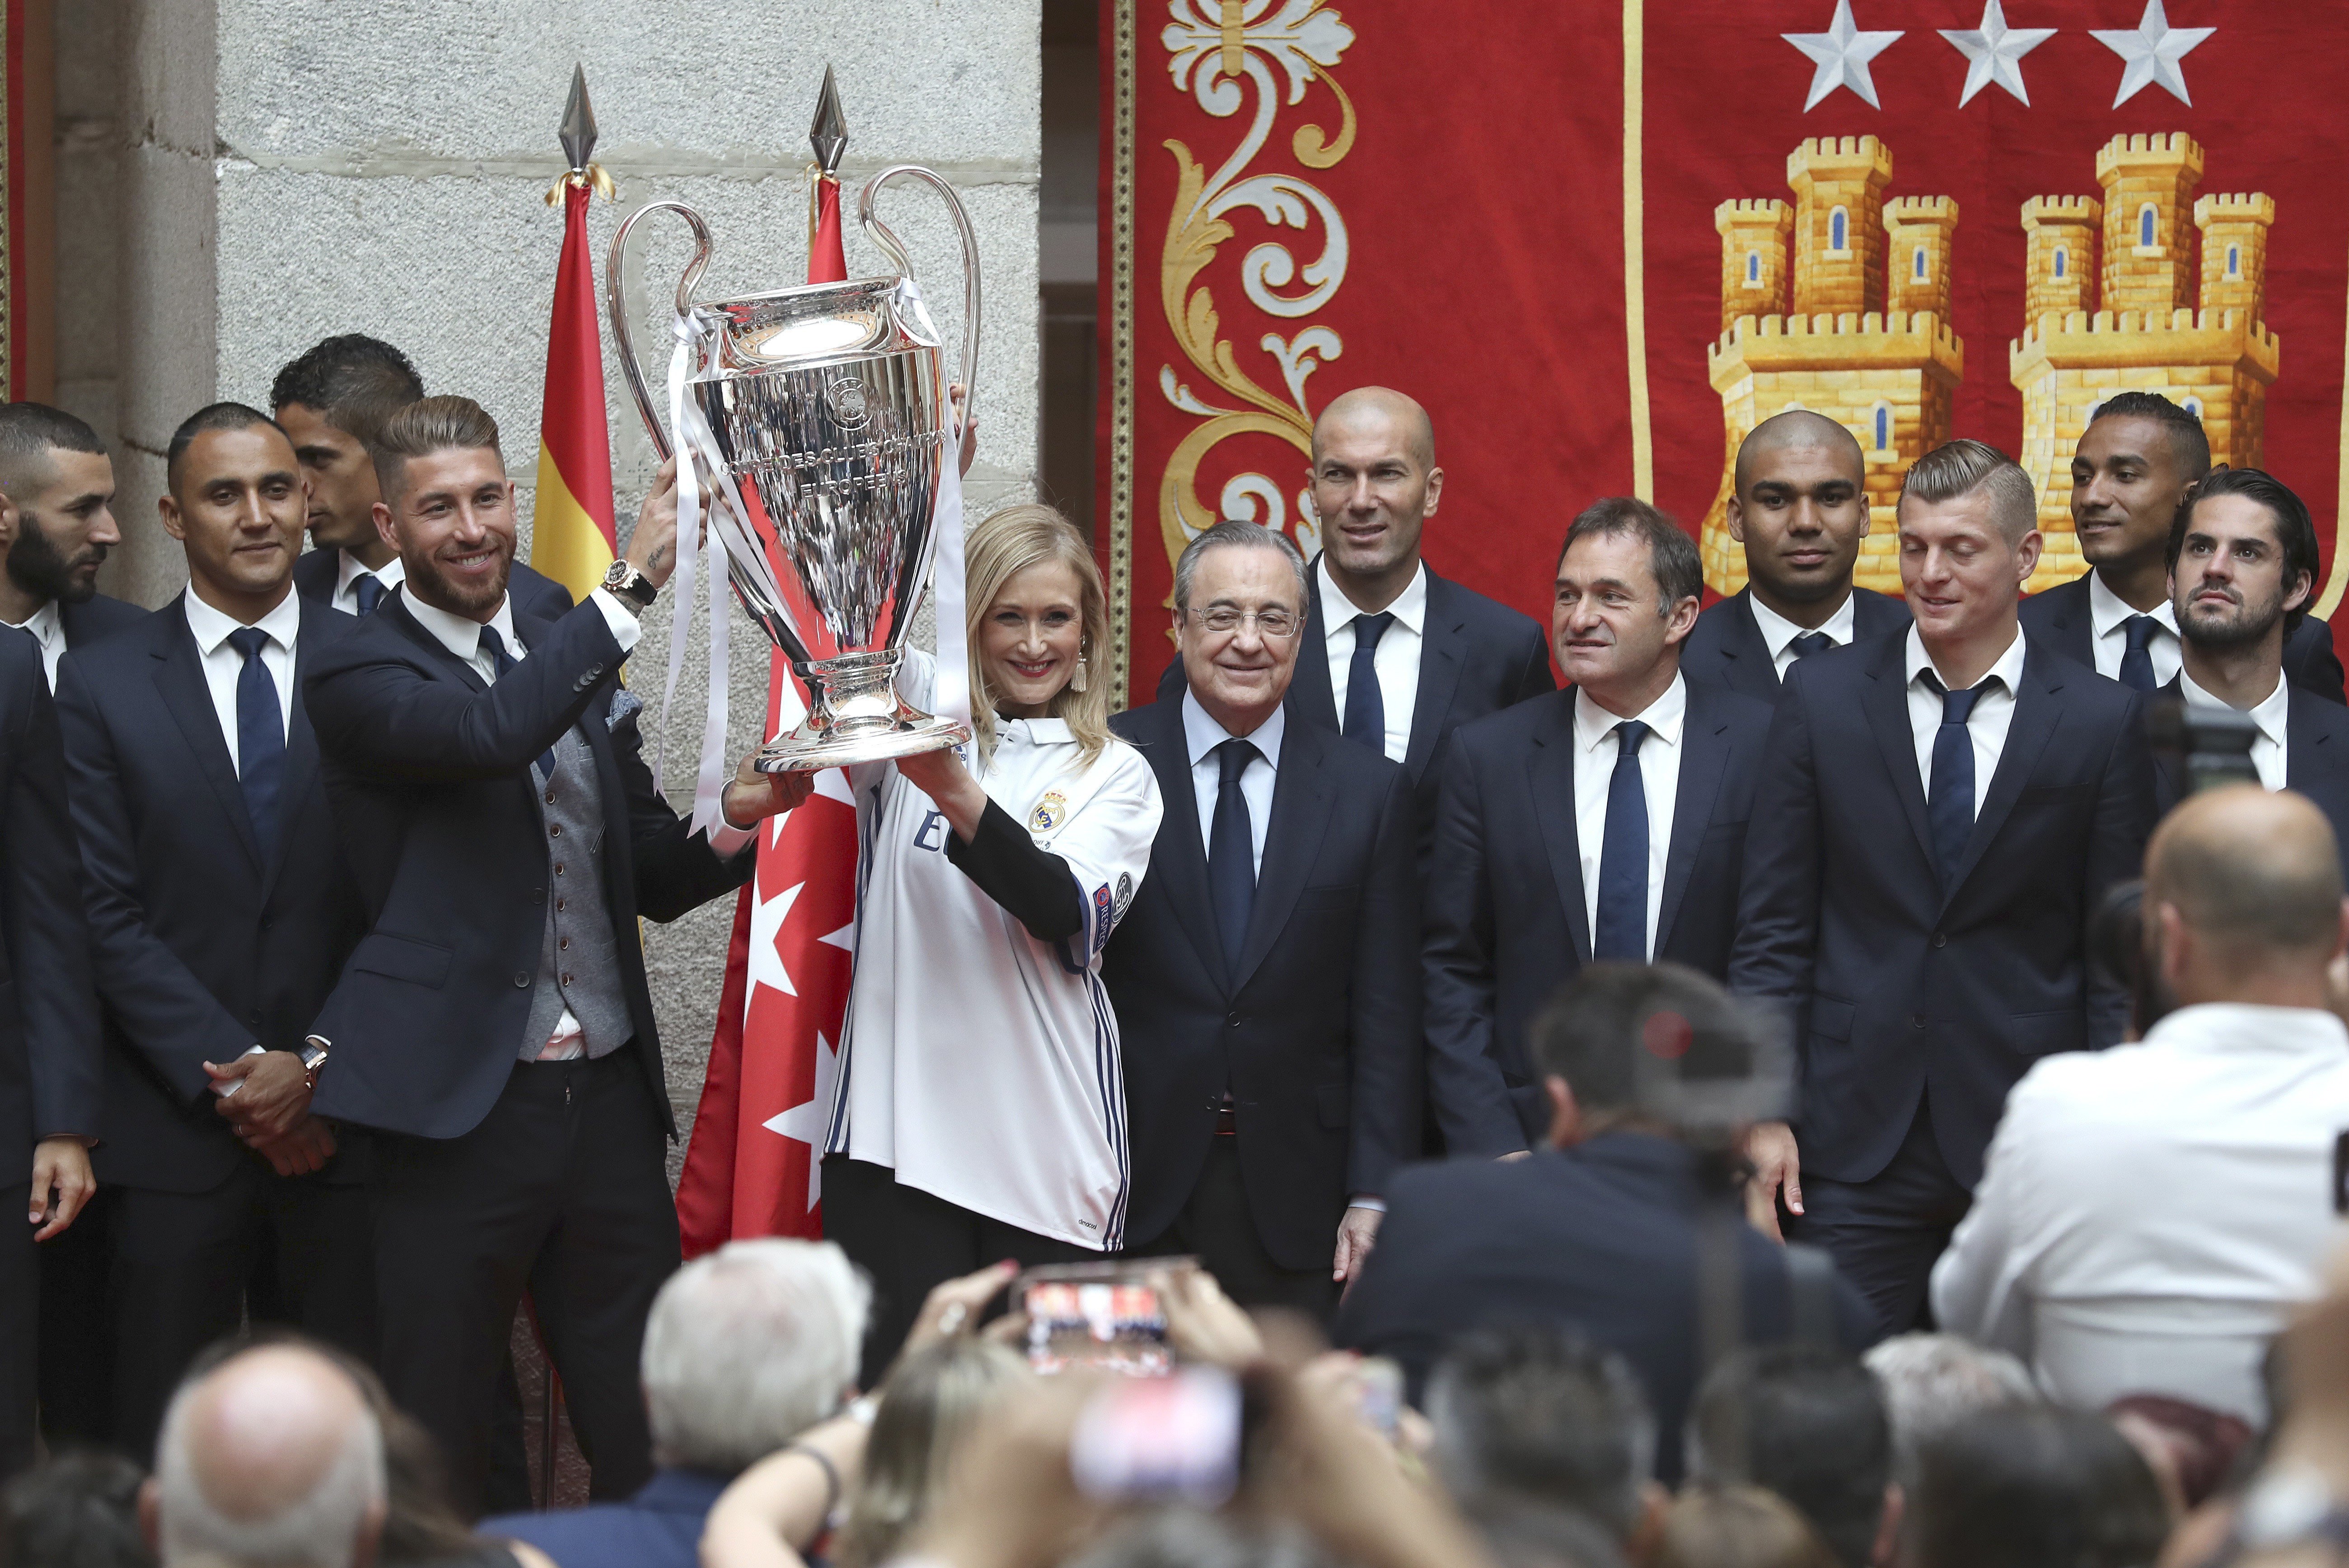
(1599, 242)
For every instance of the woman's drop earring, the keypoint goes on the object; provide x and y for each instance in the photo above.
(1077, 681)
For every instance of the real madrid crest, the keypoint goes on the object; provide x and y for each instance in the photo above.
(1049, 813)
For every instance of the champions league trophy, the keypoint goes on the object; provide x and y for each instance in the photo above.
(822, 415)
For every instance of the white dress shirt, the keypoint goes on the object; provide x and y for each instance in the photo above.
(1778, 633)
(2108, 616)
(2151, 1214)
(48, 629)
(1986, 726)
(2273, 717)
(1596, 747)
(224, 666)
(1201, 736)
(1396, 658)
(350, 568)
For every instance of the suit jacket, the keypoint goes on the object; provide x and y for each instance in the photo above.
(1726, 647)
(50, 1074)
(1316, 1035)
(2316, 761)
(660, 1527)
(1507, 917)
(1602, 1237)
(1895, 987)
(429, 768)
(2060, 617)
(1478, 657)
(315, 573)
(96, 617)
(205, 945)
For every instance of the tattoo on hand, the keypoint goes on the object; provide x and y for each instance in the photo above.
(660, 554)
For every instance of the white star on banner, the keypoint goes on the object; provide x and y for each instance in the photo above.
(767, 917)
(1994, 52)
(805, 1122)
(2152, 50)
(1841, 54)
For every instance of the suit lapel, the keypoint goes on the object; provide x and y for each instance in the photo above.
(1705, 759)
(1549, 773)
(2309, 754)
(2074, 623)
(1310, 694)
(1441, 648)
(2037, 711)
(1747, 665)
(395, 609)
(1292, 841)
(301, 742)
(188, 698)
(1886, 700)
(1179, 858)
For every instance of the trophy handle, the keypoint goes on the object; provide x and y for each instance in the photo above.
(880, 236)
(615, 304)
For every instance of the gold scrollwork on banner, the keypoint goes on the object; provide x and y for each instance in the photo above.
(1219, 48)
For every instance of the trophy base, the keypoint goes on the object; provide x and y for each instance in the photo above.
(802, 751)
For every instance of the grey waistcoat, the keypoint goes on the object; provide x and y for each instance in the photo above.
(579, 958)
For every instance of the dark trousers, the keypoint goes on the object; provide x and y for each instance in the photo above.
(1217, 1226)
(1885, 1233)
(78, 1329)
(909, 1241)
(181, 1263)
(20, 1311)
(562, 1190)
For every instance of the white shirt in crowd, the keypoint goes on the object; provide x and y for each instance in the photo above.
(2108, 617)
(1396, 658)
(48, 629)
(350, 568)
(224, 666)
(1201, 736)
(978, 1063)
(1596, 747)
(1986, 726)
(2272, 717)
(2151, 1215)
(1778, 633)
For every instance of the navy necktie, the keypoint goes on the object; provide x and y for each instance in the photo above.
(1808, 643)
(1949, 802)
(2137, 662)
(1366, 706)
(1231, 853)
(368, 588)
(260, 737)
(506, 661)
(1621, 931)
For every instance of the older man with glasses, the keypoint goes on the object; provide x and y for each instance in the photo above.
(1266, 979)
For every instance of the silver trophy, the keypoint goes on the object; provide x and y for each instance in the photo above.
(827, 405)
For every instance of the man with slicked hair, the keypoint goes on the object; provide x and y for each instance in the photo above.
(2152, 1216)
(1938, 814)
(2137, 461)
(1800, 509)
(57, 524)
(1395, 657)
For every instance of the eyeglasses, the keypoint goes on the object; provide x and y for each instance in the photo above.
(1223, 619)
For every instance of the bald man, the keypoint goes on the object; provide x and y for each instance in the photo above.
(1393, 657)
(2151, 1215)
(271, 1460)
(1800, 509)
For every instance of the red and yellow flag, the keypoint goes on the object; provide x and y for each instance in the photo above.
(572, 539)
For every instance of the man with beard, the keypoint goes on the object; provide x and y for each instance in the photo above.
(2242, 566)
(2138, 462)
(1800, 509)
(56, 523)
(493, 1023)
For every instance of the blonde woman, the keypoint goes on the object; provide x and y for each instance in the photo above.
(979, 1114)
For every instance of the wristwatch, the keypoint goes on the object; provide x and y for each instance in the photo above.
(315, 1049)
(630, 586)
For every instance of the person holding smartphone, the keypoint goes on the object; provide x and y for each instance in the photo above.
(978, 1112)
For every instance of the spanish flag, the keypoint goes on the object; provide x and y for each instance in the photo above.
(572, 539)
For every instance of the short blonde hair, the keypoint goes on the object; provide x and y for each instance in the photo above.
(1961, 467)
(419, 429)
(1003, 545)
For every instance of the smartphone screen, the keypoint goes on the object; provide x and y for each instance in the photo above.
(1175, 1439)
(1101, 1315)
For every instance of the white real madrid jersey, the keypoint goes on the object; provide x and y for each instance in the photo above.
(978, 1063)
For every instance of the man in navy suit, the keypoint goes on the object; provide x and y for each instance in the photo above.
(1266, 978)
(493, 1023)
(2138, 462)
(329, 400)
(57, 524)
(220, 913)
(48, 1022)
(1800, 509)
(2243, 563)
(1395, 657)
(1938, 814)
(1604, 822)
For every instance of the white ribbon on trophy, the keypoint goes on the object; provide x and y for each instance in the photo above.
(951, 699)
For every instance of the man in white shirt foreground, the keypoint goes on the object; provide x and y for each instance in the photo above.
(2149, 1215)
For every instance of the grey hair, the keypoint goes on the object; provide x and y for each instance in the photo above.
(320, 1531)
(1538, 1410)
(1228, 534)
(749, 1347)
(1961, 467)
(1933, 1381)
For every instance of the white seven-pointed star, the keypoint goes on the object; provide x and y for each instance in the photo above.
(1841, 54)
(1994, 52)
(2152, 50)
(806, 1123)
(767, 916)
